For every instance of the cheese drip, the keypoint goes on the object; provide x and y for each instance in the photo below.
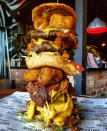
(47, 30)
(31, 109)
(61, 117)
(39, 42)
(57, 111)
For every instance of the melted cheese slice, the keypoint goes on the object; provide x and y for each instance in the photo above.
(54, 95)
(62, 116)
(55, 110)
(47, 30)
(72, 36)
(30, 53)
(61, 98)
(31, 109)
(56, 47)
(40, 40)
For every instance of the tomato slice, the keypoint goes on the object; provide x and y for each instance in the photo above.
(70, 119)
(78, 67)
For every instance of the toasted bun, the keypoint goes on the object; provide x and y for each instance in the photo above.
(59, 62)
(37, 11)
(52, 127)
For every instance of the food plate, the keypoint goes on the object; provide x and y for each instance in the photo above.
(90, 110)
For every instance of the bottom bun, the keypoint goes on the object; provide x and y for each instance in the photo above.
(51, 127)
(54, 61)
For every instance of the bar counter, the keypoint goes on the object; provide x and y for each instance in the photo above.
(4, 93)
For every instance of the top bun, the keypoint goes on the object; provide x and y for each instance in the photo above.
(37, 11)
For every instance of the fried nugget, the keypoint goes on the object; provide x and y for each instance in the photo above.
(29, 47)
(65, 41)
(31, 75)
(45, 75)
(40, 23)
(67, 56)
(62, 21)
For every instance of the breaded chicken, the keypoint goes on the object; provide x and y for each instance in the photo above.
(29, 47)
(44, 76)
(67, 56)
(59, 20)
(40, 23)
(65, 41)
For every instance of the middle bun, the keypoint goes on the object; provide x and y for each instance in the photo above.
(59, 62)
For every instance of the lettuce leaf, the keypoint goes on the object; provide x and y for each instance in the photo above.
(25, 118)
(57, 128)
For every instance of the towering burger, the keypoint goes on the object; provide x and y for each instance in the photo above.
(49, 62)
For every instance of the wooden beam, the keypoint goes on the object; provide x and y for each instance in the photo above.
(81, 53)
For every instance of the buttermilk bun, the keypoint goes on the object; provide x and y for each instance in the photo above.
(49, 11)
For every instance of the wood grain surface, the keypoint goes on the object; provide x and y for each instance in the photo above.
(4, 93)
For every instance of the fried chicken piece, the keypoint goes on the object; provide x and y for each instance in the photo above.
(71, 90)
(66, 55)
(38, 93)
(65, 41)
(31, 75)
(44, 76)
(74, 99)
(62, 86)
(29, 47)
(75, 128)
(74, 111)
(40, 23)
(62, 21)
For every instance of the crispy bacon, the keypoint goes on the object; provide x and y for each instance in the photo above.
(71, 90)
(75, 110)
(70, 119)
(63, 86)
(74, 99)
(75, 128)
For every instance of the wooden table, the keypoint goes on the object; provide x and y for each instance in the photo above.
(4, 93)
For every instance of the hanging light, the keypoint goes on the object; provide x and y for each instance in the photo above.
(103, 44)
(96, 26)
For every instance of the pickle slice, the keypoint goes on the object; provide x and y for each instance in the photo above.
(56, 11)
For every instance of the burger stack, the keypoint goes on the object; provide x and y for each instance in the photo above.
(49, 53)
